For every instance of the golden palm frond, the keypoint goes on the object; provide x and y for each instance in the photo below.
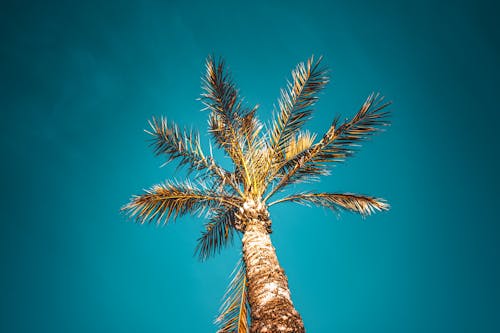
(168, 139)
(235, 309)
(260, 162)
(250, 128)
(365, 205)
(174, 199)
(338, 143)
(255, 153)
(297, 145)
(219, 232)
(226, 138)
(229, 121)
(295, 103)
(175, 143)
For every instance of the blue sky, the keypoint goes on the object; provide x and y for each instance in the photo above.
(81, 80)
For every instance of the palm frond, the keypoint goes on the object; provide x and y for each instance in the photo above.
(229, 121)
(170, 140)
(365, 205)
(167, 200)
(234, 312)
(218, 233)
(260, 161)
(295, 103)
(175, 143)
(220, 94)
(341, 141)
(299, 144)
(250, 128)
(226, 138)
(338, 143)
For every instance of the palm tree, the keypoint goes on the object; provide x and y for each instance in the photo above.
(266, 161)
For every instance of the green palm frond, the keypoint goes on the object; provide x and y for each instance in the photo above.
(295, 103)
(167, 200)
(365, 205)
(234, 312)
(218, 233)
(338, 143)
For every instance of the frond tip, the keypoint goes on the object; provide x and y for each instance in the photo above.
(295, 103)
(235, 309)
(361, 204)
(168, 139)
(341, 141)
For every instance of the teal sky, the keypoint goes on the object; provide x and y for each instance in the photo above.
(80, 80)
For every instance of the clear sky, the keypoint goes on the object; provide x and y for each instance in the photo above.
(80, 80)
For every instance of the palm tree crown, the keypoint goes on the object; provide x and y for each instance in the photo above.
(266, 159)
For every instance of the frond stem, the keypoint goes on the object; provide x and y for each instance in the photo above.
(279, 201)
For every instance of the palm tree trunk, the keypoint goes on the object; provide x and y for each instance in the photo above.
(271, 306)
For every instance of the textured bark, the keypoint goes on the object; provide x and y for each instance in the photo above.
(271, 306)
